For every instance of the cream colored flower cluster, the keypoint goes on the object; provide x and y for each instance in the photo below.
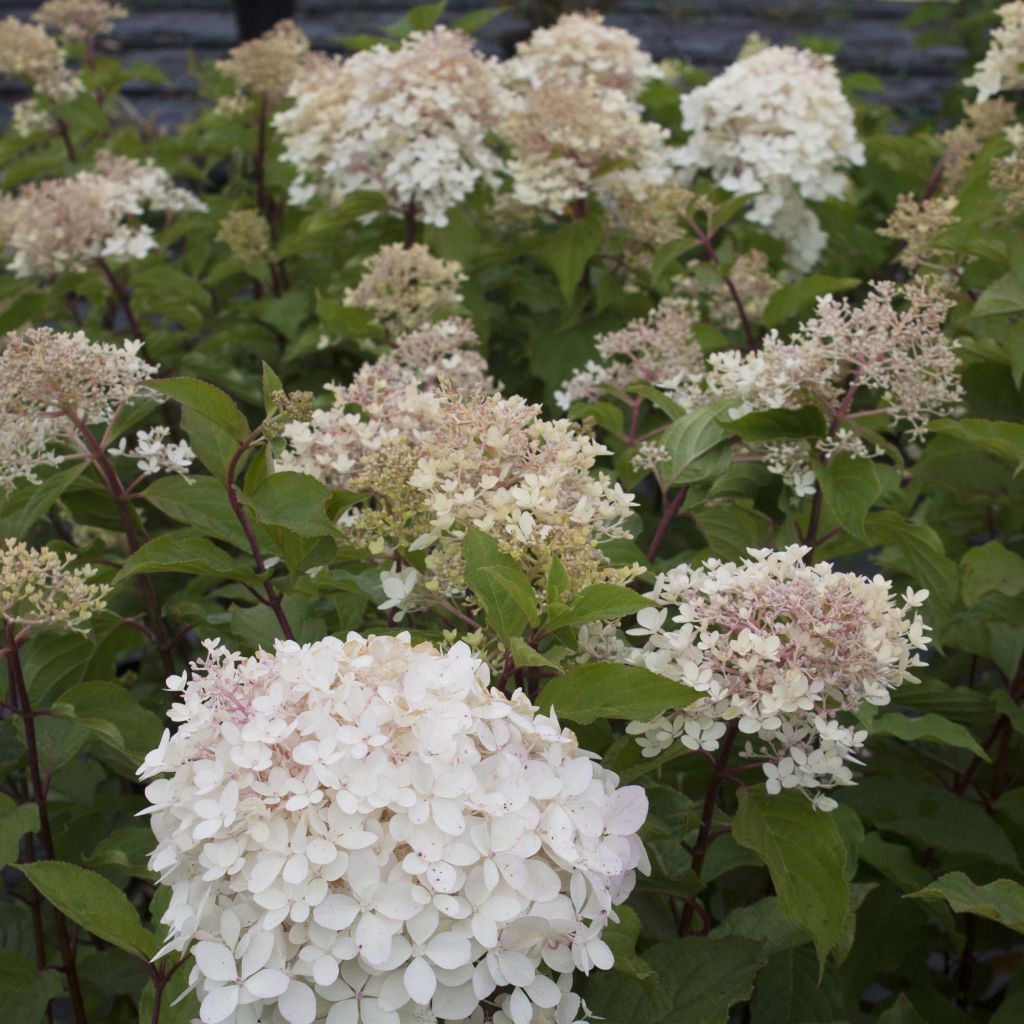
(405, 288)
(27, 52)
(566, 137)
(981, 122)
(1000, 69)
(47, 380)
(65, 224)
(657, 349)
(266, 67)
(446, 351)
(775, 125)
(77, 20)
(38, 587)
(918, 224)
(410, 123)
(1007, 173)
(892, 345)
(786, 651)
(437, 462)
(362, 830)
(580, 47)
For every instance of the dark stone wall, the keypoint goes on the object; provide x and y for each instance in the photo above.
(707, 32)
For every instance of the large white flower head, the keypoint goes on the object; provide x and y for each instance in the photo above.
(362, 830)
(1000, 69)
(775, 124)
(581, 47)
(410, 123)
(64, 224)
(786, 651)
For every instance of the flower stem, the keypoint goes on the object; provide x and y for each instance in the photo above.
(705, 836)
(667, 516)
(274, 598)
(122, 296)
(20, 693)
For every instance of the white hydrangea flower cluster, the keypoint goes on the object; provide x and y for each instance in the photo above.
(154, 453)
(891, 345)
(1000, 69)
(79, 20)
(775, 124)
(361, 830)
(658, 349)
(410, 123)
(785, 650)
(581, 47)
(65, 224)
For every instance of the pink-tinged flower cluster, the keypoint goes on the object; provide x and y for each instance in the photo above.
(52, 384)
(776, 125)
(361, 830)
(66, 224)
(410, 123)
(658, 349)
(581, 47)
(891, 346)
(786, 651)
(1000, 69)
(436, 462)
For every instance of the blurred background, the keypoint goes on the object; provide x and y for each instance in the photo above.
(917, 50)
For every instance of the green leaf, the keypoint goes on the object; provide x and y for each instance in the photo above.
(604, 601)
(15, 821)
(499, 584)
(850, 487)
(475, 20)
(207, 400)
(568, 250)
(506, 596)
(1001, 901)
(114, 715)
(686, 440)
(524, 656)
(797, 298)
(762, 922)
(778, 424)
(932, 817)
(181, 551)
(805, 856)
(788, 989)
(621, 938)
(991, 568)
(995, 436)
(214, 446)
(927, 729)
(293, 501)
(271, 385)
(92, 902)
(608, 690)
(416, 19)
(198, 501)
(923, 553)
(31, 502)
(25, 991)
(700, 979)
(1003, 296)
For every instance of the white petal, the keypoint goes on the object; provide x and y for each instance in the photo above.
(519, 1007)
(298, 1004)
(544, 992)
(257, 953)
(336, 912)
(219, 1004)
(373, 1014)
(449, 951)
(267, 984)
(373, 939)
(420, 981)
(215, 961)
(345, 1012)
